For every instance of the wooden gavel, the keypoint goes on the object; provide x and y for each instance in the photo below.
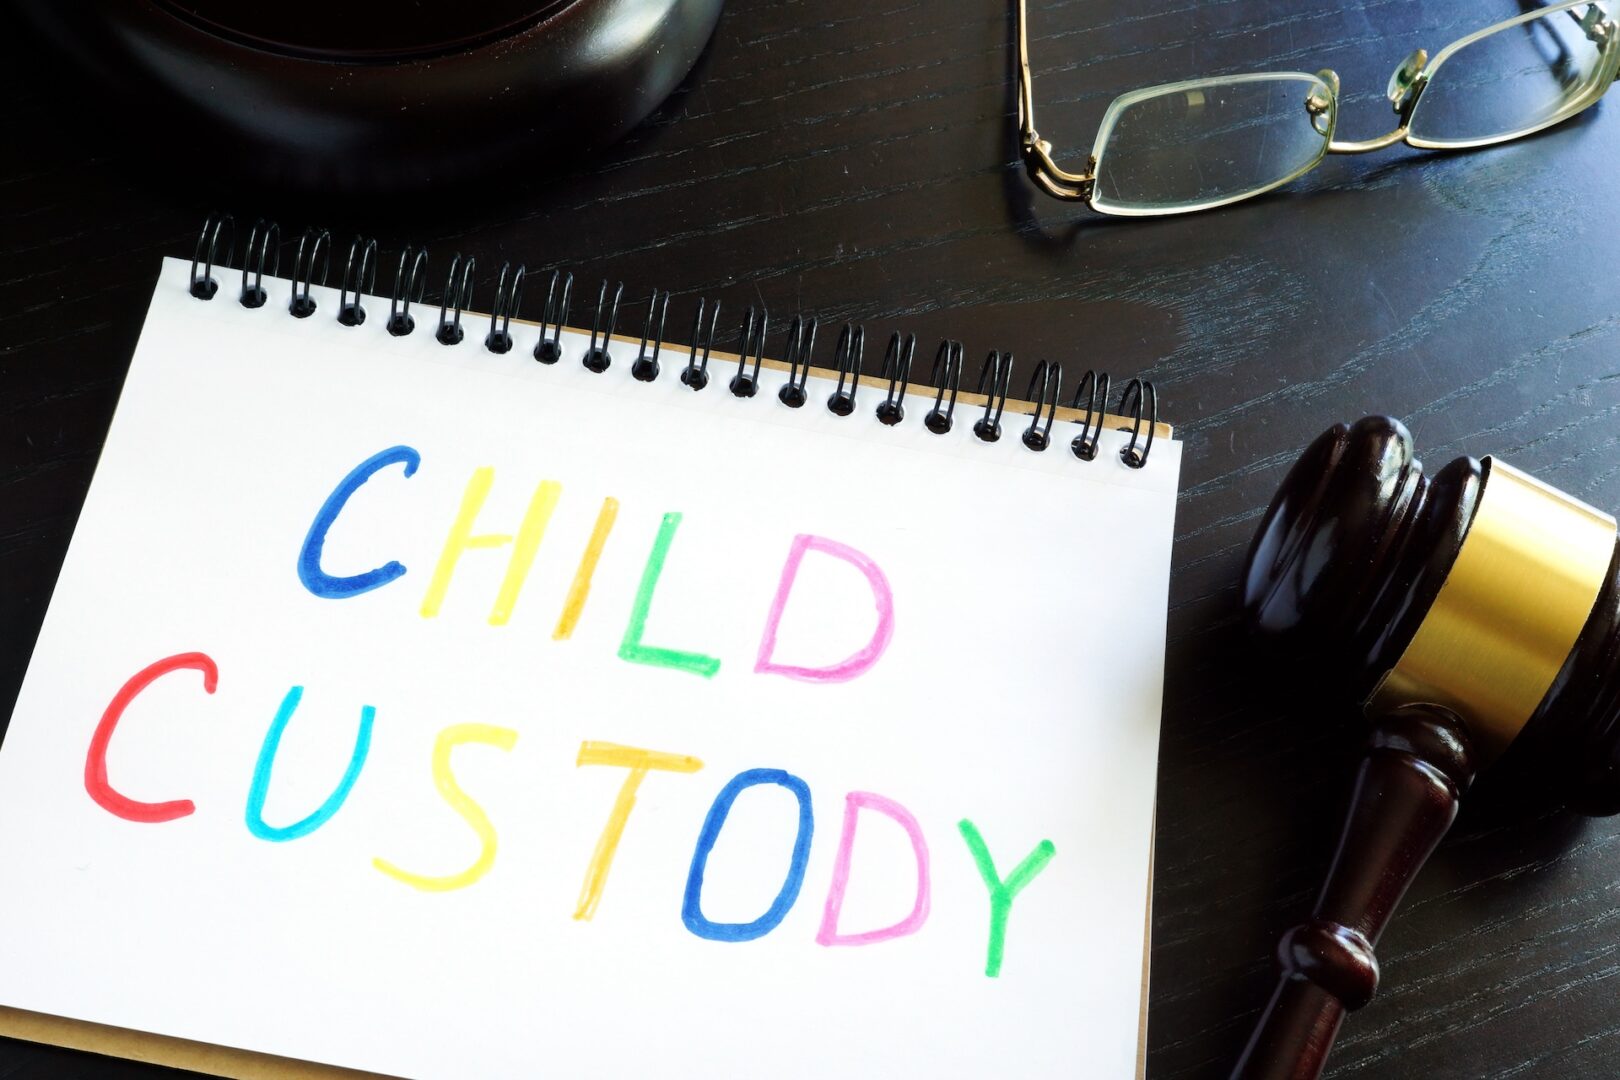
(1475, 613)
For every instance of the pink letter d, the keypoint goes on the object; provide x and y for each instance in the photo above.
(854, 802)
(855, 664)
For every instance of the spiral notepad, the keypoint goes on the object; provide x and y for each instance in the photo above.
(441, 694)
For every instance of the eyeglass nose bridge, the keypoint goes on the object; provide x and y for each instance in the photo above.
(1406, 83)
(1405, 88)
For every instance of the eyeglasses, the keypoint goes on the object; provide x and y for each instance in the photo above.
(1207, 142)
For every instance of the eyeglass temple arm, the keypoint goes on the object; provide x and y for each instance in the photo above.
(1045, 172)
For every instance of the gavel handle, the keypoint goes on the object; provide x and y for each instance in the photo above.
(1417, 766)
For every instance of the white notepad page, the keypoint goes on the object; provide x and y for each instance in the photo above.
(864, 671)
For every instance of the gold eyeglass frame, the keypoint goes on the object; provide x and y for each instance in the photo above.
(1406, 87)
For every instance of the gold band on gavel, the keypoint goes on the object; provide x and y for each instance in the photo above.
(1507, 615)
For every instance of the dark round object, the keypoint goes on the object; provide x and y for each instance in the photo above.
(1348, 560)
(1330, 575)
(367, 97)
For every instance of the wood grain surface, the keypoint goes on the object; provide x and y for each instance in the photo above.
(854, 159)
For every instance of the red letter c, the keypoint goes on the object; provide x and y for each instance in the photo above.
(95, 763)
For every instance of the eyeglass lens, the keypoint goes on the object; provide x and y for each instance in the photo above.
(1188, 146)
(1514, 80)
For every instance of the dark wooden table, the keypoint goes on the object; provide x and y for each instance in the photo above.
(854, 158)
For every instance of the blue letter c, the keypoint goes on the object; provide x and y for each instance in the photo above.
(318, 581)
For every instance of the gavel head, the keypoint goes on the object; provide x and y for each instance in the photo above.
(1478, 589)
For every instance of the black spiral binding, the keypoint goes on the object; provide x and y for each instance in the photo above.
(311, 266)
(897, 369)
(947, 375)
(645, 368)
(458, 287)
(313, 244)
(1047, 381)
(508, 295)
(993, 379)
(263, 241)
(1094, 388)
(746, 383)
(801, 343)
(847, 358)
(695, 376)
(596, 357)
(548, 350)
(407, 291)
(1137, 392)
(206, 251)
(358, 279)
